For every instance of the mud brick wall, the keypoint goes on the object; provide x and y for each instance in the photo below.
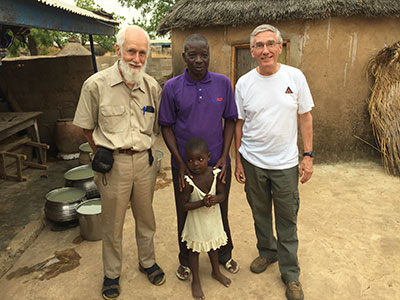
(159, 67)
(48, 84)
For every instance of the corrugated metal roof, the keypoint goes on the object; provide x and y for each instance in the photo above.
(54, 15)
(76, 10)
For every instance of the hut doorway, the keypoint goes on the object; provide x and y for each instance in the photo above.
(243, 62)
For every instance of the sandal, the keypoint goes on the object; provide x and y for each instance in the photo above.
(232, 266)
(155, 274)
(183, 273)
(111, 288)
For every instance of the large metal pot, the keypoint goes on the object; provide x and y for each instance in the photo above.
(82, 177)
(89, 215)
(61, 204)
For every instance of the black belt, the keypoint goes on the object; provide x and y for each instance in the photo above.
(132, 152)
(128, 151)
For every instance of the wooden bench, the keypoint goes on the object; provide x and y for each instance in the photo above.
(11, 157)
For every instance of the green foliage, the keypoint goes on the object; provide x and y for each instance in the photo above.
(152, 12)
(87, 4)
(43, 40)
(16, 47)
(106, 42)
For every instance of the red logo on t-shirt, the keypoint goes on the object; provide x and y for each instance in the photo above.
(217, 99)
(288, 91)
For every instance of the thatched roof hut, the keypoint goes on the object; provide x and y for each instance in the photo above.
(331, 41)
(73, 48)
(204, 13)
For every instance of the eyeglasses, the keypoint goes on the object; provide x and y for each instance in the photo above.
(270, 45)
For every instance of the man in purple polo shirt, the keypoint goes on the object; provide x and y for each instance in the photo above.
(193, 105)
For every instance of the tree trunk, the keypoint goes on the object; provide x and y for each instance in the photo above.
(32, 45)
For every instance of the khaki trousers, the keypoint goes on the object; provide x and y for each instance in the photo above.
(131, 179)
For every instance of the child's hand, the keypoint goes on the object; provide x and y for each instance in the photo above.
(206, 200)
(212, 200)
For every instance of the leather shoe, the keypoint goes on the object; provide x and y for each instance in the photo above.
(294, 290)
(260, 264)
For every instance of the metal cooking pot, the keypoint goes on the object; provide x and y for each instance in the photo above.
(89, 215)
(82, 177)
(61, 204)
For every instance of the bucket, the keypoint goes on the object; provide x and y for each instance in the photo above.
(159, 156)
(84, 154)
(89, 215)
(82, 177)
(61, 204)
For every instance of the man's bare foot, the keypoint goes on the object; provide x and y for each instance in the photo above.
(221, 278)
(197, 292)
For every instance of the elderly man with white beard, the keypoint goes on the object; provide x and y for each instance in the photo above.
(118, 109)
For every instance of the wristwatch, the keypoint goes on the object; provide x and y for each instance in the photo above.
(310, 153)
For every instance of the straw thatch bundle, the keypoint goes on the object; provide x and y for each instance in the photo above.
(384, 105)
(203, 13)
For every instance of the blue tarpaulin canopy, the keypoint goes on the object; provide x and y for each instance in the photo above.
(54, 15)
(51, 15)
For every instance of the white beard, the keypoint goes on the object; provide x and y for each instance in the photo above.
(132, 76)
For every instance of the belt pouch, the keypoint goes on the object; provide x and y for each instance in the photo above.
(103, 160)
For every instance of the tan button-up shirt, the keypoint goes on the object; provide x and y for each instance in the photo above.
(121, 118)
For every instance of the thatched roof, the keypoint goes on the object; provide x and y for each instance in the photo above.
(202, 13)
(73, 48)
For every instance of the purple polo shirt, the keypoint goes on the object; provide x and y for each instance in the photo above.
(196, 109)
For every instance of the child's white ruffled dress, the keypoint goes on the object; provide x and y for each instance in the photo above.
(204, 230)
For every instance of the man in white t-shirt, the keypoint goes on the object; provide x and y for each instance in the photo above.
(272, 100)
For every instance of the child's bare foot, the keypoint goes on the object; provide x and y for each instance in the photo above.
(197, 292)
(221, 278)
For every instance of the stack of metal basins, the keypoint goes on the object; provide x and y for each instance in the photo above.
(62, 203)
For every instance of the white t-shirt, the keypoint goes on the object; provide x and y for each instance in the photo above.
(269, 105)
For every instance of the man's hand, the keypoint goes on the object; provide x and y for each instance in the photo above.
(88, 133)
(306, 169)
(183, 170)
(239, 173)
(221, 163)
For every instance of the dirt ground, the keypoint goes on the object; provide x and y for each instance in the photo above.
(349, 231)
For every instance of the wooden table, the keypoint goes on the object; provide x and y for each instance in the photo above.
(13, 122)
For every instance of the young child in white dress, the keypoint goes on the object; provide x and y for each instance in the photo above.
(203, 230)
